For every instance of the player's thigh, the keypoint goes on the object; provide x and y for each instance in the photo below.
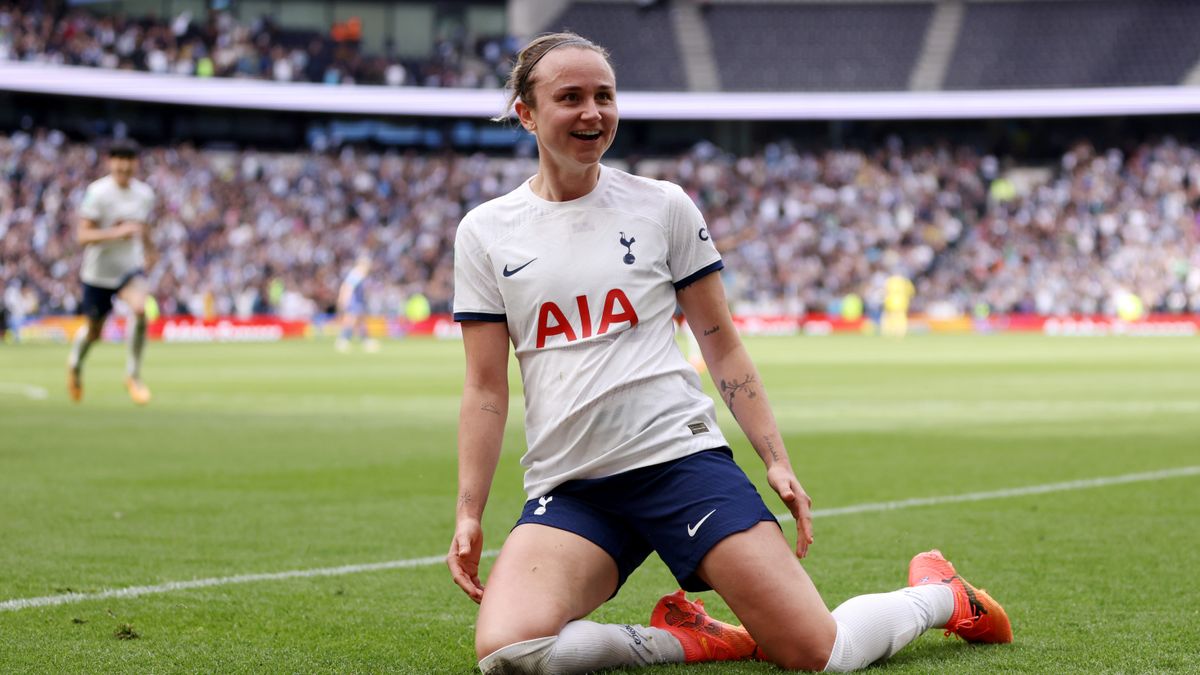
(543, 578)
(134, 293)
(758, 575)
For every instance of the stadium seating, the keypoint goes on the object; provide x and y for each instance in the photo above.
(755, 46)
(1075, 43)
(220, 46)
(816, 47)
(798, 230)
(640, 39)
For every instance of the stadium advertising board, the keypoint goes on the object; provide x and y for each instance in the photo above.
(226, 329)
(442, 326)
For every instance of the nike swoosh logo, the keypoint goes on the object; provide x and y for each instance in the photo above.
(509, 273)
(692, 530)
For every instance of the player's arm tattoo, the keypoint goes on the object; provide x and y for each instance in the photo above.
(771, 447)
(465, 498)
(490, 407)
(731, 388)
(710, 331)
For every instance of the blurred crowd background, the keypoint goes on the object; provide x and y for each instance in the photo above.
(250, 232)
(1052, 224)
(216, 44)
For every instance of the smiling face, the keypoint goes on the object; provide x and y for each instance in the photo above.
(573, 111)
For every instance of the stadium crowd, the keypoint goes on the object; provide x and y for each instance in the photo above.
(249, 232)
(1105, 224)
(218, 45)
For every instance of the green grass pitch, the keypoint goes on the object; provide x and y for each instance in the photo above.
(260, 459)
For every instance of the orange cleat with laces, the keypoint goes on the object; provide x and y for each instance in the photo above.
(138, 391)
(703, 637)
(976, 616)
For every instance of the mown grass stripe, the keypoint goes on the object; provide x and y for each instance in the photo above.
(136, 591)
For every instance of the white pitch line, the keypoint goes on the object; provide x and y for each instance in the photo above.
(27, 390)
(136, 591)
(1081, 484)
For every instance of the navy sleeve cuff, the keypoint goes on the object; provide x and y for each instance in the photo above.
(480, 316)
(694, 276)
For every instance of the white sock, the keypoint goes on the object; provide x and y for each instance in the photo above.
(873, 627)
(79, 348)
(583, 647)
(137, 341)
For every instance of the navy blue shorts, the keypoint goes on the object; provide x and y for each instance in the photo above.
(679, 509)
(98, 301)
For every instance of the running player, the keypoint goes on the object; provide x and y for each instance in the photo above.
(352, 306)
(114, 230)
(580, 268)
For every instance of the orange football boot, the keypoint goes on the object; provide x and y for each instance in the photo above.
(703, 637)
(137, 391)
(74, 385)
(976, 616)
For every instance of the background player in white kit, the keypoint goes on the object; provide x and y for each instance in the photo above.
(114, 230)
(580, 268)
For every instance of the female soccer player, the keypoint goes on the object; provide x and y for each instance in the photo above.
(580, 268)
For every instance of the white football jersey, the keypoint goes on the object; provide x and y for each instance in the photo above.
(106, 203)
(587, 288)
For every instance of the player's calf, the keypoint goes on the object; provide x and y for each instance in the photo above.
(584, 647)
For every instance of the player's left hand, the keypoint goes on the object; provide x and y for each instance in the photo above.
(783, 480)
(463, 559)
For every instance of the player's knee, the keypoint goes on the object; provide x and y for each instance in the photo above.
(801, 660)
(527, 657)
(811, 654)
(490, 639)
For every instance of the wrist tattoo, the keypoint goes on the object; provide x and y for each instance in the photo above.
(731, 388)
(490, 407)
(710, 331)
(464, 499)
(771, 448)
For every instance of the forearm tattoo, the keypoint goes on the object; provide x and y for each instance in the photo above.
(464, 499)
(490, 407)
(731, 388)
(710, 331)
(771, 447)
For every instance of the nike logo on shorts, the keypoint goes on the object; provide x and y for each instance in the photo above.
(509, 273)
(692, 530)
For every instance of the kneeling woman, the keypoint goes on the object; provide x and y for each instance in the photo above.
(580, 268)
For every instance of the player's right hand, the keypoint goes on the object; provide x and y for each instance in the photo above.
(130, 229)
(463, 558)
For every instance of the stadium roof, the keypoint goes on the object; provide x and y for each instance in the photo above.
(476, 103)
